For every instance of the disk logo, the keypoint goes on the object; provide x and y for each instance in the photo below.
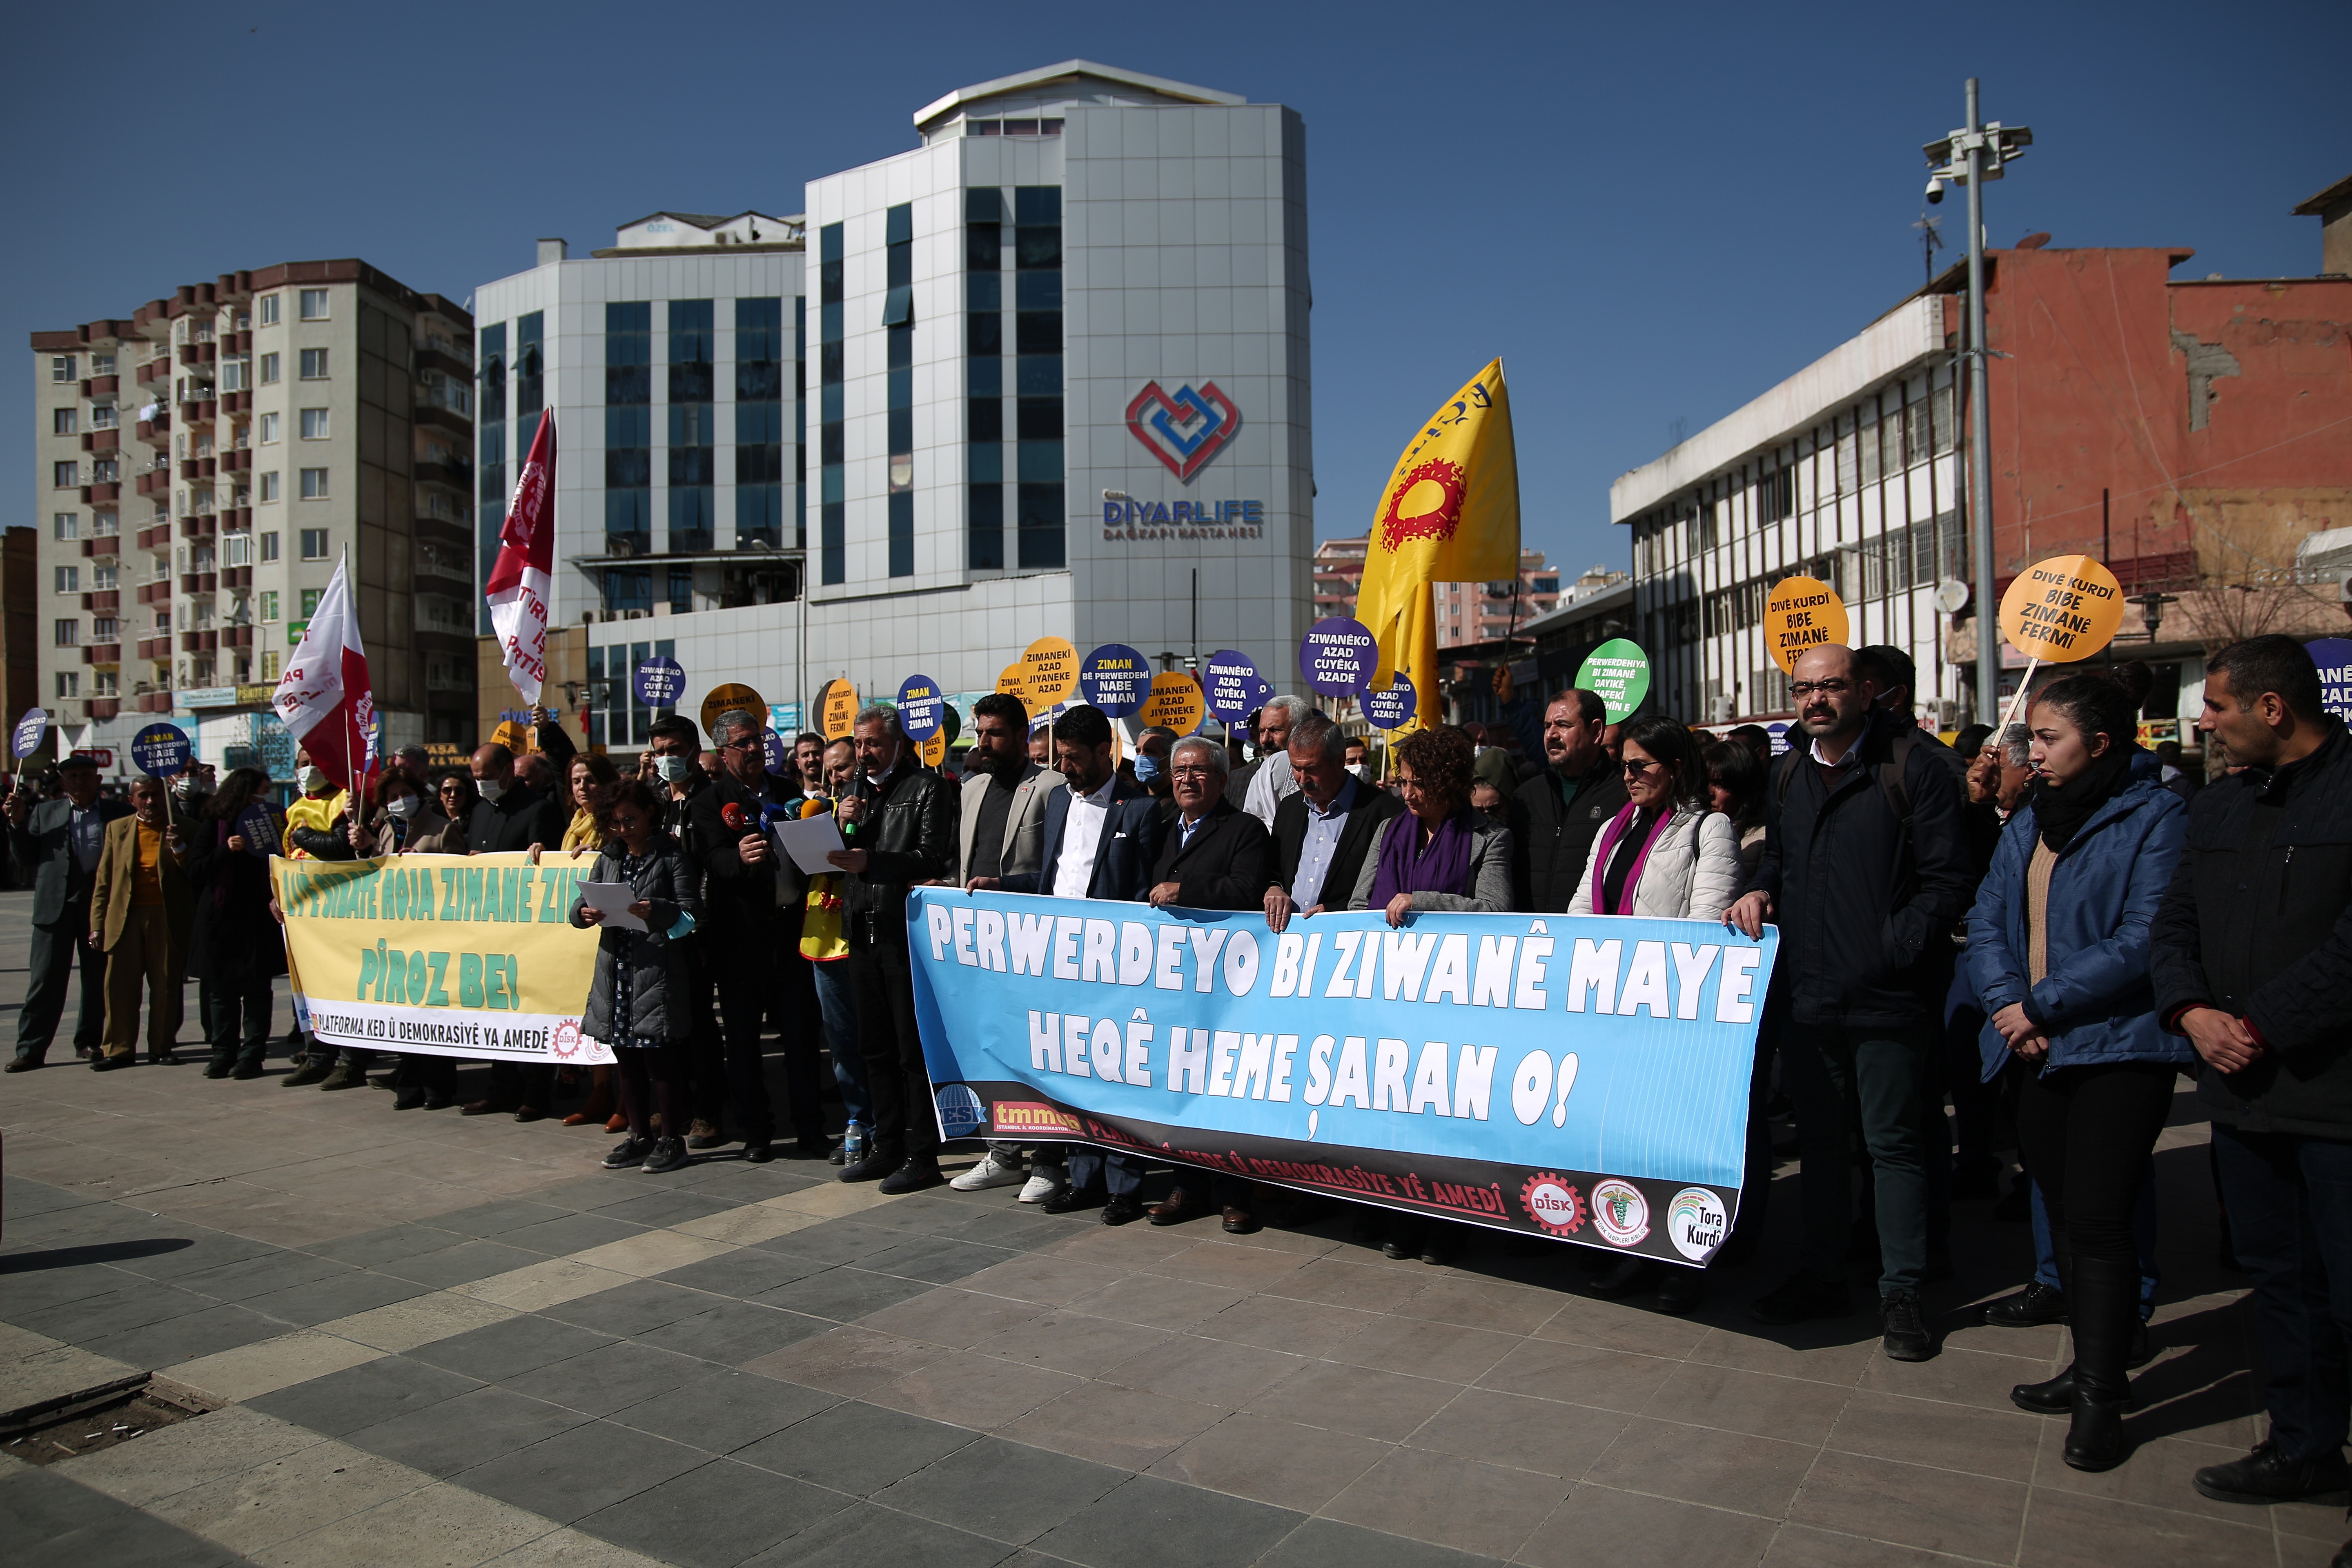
(1185, 429)
(1696, 1222)
(1620, 1213)
(1552, 1204)
(564, 1039)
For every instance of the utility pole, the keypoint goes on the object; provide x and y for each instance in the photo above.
(1973, 155)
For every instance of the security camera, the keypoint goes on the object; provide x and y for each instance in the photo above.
(1935, 191)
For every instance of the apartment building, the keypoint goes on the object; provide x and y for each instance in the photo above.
(204, 463)
(1467, 613)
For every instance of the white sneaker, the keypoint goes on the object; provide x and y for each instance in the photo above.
(1044, 1181)
(993, 1171)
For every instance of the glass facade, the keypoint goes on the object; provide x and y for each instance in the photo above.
(832, 516)
(530, 379)
(758, 421)
(615, 717)
(983, 330)
(692, 468)
(800, 420)
(491, 454)
(898, 322)
(1038, 380)
(628, 435)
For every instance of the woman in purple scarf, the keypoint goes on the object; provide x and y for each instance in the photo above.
(1439, 855)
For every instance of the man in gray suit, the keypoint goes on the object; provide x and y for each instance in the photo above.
(1004, 835)
(58, 841)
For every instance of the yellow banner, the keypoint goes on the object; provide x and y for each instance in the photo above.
(449, 955)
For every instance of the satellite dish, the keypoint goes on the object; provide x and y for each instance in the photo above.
(1950, 595)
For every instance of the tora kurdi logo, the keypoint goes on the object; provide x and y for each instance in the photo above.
(1426, 504)
(1186, 429)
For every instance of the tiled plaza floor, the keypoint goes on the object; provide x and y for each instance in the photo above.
(442, 1341)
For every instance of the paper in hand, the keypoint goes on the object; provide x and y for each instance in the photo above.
(808, 841)
(613, 899)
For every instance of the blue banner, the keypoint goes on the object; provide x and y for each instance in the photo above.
(1584, 1078)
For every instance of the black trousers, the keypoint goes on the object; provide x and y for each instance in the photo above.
(702, 1063)
(435, 1074)
(883, 987)
(524, 1085)
(2086, 1133)
(745, 977)
(2290, 1199)
(236, 1019)
(1120, 1172)
(57, 950)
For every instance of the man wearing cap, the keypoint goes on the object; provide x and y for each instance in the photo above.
(141, 912)
(58, 841)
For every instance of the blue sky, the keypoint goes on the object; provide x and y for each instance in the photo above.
(1652, 213)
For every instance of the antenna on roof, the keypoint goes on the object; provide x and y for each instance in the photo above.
(1931, 237)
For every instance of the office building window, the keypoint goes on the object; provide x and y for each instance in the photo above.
(1037, 375)
(314, 304)
(899, 323)
(758, 421)
(628, 589)
(65, 525)
(269, 485)
(62, 422)
(267, 306)
(833, 524)
(681, 590)
(983, 331)
(268, 370)
(314, 485)
(314, 547)
(314, 365)
(531, 376)
(314, 423)
(800, 421)
(629, 429)
(692, 481)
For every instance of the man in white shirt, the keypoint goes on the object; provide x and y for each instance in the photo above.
(1272, 781)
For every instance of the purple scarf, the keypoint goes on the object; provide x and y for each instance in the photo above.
(1405, 867)
(1607, 846)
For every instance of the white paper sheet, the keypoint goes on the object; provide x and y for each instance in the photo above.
(808, 841)
(613, 899)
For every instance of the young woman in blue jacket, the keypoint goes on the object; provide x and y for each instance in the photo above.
(2058, 953)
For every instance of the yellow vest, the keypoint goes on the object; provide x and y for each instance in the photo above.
(316, 814)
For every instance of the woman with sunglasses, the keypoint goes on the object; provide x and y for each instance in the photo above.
(639, 1002)
(457, 798)
(1666, 855)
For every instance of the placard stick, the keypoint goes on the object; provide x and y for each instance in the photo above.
(2023, 686)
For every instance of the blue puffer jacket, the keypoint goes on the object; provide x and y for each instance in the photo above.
(2096, 1003)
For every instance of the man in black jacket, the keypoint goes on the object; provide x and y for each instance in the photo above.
(2251, 959)
(1216, 856)
(675, 749)
(900, 822)
(1556, 815)
(1322, 834)
(743, 932)
(57, 842)
(511, 817)
(1865, 867)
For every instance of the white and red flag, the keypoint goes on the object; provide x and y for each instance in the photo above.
(523, 577)
(324, 697)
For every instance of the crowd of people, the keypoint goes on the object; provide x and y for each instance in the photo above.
(2045, 930)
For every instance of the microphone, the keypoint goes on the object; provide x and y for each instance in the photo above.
(735, 817)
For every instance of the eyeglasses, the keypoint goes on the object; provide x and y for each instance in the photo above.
(453, 789)
(1804, 689)
(626, 822)
(1641, 764)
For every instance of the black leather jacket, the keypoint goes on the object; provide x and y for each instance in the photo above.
(909, 836)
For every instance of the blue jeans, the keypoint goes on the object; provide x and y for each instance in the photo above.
(840, 1013)
(2290, 1202)
(2046, 1257)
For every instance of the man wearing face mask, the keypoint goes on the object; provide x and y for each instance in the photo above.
(1152, 749)
(743, 941)
(900, 820)
(1360, 758)
(512, 816)
(672, 764)
(316, 828)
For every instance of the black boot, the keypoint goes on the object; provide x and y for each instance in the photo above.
(2103, 1296)
(2055, 1396)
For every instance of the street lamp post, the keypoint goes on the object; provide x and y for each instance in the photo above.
(1971, 156)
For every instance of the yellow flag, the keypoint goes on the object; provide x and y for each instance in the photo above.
(1450, 513)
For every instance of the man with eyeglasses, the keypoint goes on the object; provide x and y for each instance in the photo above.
(1865, 867)
(1555, 816)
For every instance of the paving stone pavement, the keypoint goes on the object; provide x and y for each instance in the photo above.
(443, 1340)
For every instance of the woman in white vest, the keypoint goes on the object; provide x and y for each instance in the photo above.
(1668, 855)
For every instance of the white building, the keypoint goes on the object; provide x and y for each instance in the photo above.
(1847, 472)
(1045, 374)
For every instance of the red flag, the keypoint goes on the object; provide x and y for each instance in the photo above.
(324, 697)
(523, 579)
